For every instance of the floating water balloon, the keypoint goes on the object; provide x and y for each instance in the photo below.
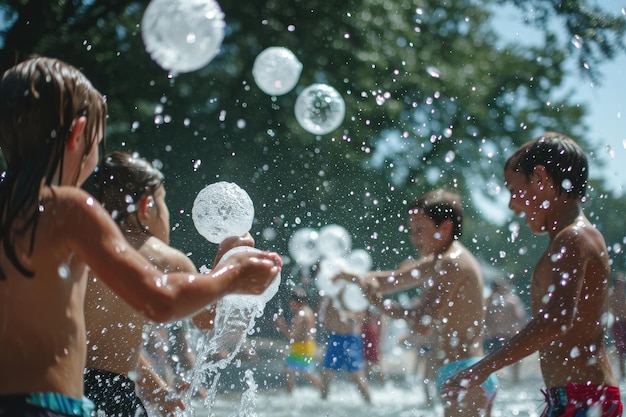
(276, 70)
(334, 241)
(303, 246)
(182, 35)
(353, 298)
(328, 268)
(222, 209)
(320, 109)
(358, 262)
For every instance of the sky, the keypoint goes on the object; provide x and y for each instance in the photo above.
(606, 101)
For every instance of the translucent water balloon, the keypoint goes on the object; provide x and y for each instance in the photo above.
(328, 268)
(182, 35)
(353, 298)
(334, 241)
(222, 209)
(242, 301)
(276, 70)
(320, 109)
(303, 246)
(358, 262)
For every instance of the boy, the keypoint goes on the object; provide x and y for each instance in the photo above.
(451, 301)
(51, 122)
(547, 179)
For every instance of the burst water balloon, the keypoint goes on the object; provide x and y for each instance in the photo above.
(242, 301)
(303, 246)
(182, 35)
(320, 109)
(334, 241)
(276, 70)
(222, 209)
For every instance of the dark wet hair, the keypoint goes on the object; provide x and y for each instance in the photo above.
(40, 98)
(564, 160)
(441, 205)
(122, 180)
(298, 295)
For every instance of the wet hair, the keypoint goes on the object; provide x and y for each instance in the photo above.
(122, 180)
(40, 98)
(441, 205)
(298, 295)
(564, 160)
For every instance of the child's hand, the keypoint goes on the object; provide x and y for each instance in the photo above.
(255, 271)
(232, 242)
(455, 388)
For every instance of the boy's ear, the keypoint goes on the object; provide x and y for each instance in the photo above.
(446, 228)
(76, 131)
(145, 204)
(540, 174)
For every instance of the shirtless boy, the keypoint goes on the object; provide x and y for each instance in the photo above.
(51, 122)
(547, 179)
(451, 301)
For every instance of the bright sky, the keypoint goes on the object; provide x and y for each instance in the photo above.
(606, 102)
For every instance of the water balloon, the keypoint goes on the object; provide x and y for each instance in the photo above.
(328, 268)
(276, 70)
(182, 35)
(303, 246)
(334, 241)
(358, 262)
(353, 298)
(320, 109)
(242, 301)
(222, 209)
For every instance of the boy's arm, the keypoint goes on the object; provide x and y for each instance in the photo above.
(97, 241)
(155, 389)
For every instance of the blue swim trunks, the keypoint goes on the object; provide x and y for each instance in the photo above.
(44, 404)
(490, 385)
(344, 352)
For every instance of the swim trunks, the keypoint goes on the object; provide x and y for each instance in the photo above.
(113, 394)
(301, 356)
(44, 404)
(344, 352)
(580, 400)
(371, 340)
(490, 385)
(618, 331)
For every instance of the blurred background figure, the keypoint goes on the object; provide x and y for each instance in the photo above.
(505, 316)
(373, 328)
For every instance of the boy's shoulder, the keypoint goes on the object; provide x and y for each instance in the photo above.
(580, 237)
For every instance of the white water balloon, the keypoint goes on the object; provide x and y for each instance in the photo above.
(320, 109)
(222, 209)
(242, 301)
(334, 241)
(328, 268)
(353, 298)
(358, 262)
(303, 246)
(276, 70)
(182, 35)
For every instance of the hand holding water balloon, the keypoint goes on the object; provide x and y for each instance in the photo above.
(252, 272)
(232, 242)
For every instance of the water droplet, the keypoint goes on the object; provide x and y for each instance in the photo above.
(64, 271)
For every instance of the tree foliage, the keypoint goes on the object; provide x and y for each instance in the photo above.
(431, 101)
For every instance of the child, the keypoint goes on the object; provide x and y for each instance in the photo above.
(132, 190)
(51, 122)
(451, 301)
(547, 179)
(344, 348)
(301, 334)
